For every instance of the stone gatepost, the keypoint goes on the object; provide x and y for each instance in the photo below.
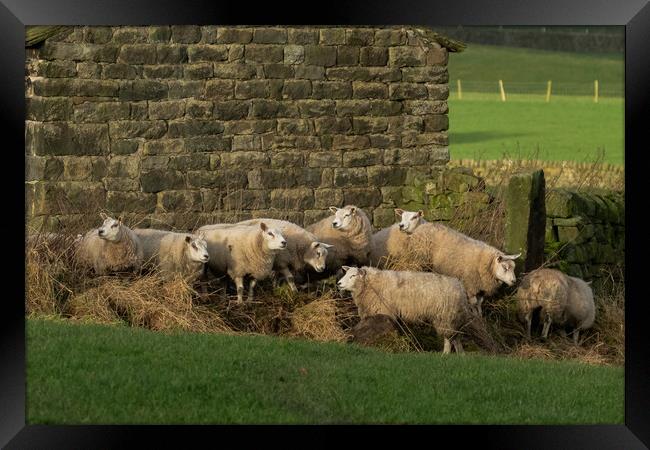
(526, 219)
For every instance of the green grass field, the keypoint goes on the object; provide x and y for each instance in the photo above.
(489, 63)
(569, 127)
(110, 374)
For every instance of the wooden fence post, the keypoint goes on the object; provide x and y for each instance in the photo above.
(460, 90)
(595, 91)
(503, 92)
(548, 91)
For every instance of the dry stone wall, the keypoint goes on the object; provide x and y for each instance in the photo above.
(192, 124)
(585, 233)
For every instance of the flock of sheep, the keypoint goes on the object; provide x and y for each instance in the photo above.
(460, 271)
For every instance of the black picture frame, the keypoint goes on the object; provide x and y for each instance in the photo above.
(634, 15)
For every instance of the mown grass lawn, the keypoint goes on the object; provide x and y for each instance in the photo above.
(569, 127)
(524, 127)
(111, 374)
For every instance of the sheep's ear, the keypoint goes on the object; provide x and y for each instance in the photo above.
(345, 268)
(499, 258)
(420, 213)
(362, 272)
(188, 239)
(353, 210)
(512, 257)
(399, 212)
(314, 244)
(103, 215)
(326, 245)
(333, 209)
(263, 226)
(119, 219)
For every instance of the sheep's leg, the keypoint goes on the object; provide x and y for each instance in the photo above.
(250, 289)
(458, 346)
(547, 326)
(473, 303)
(447, 348)
(529, 323)
(289, 277)
(239, 282)
(479, 305)
(575, 335)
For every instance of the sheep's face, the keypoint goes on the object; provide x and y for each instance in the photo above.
(273, 238)
(197, 249)
(110, 229)
(316, 255)
(504, 268)
(352, 277)
(409, 220)
(343, 217)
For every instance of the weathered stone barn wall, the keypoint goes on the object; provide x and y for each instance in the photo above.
(192, 124)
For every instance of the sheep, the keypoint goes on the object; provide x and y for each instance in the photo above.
(172, 252)
(349, 231)
(561, 299)
(392, 242)
(481, 267)
(113, 247)
(303, 248)
(241, 250)
(411, 296)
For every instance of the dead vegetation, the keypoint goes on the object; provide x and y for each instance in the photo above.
(55, 287)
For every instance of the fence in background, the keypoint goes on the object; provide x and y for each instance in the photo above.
(546, 90)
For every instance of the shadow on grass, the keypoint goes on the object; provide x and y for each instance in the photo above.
(468, 137)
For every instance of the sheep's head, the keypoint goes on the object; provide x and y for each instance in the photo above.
(316, 255)
(197, 248)
(409, 220)
(343, 217)
(110, 229)
(353, 275)
(504, 268)
(273, 238)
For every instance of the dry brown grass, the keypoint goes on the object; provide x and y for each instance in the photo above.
(54, 286)
(317, 320)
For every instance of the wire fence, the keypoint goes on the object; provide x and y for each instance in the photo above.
(595, 89)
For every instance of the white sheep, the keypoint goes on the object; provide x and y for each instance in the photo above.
(412, 296)
(241, 250)
(113, 247)
(172, 252)
(303, 248)
(561, 299)
(349, 231)
(391, 243)
(481, 267)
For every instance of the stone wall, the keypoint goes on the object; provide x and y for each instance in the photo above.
(192, 124)
(585, 229)
(586, 233)
(567, 174)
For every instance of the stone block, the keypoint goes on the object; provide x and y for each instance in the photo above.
(292, 199)
(160, 180)
(362, 197)
(526, 219)
(60, 138)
